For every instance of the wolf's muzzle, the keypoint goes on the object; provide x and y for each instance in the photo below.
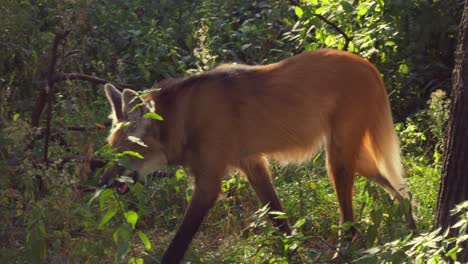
(121, 187)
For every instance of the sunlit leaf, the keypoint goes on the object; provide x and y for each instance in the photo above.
(452, 253)
(110, 213)
(153, 116)
(131, 217)
(403, 68)
(145, 240)
(362, 10)
(180, 173)
(135, 107)
(299, 12)
(134, 260)
(319, 10)
(130, 153)
(330, 40)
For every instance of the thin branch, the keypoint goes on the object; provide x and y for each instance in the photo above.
(335, 27)
(92, 128)
(92, 79)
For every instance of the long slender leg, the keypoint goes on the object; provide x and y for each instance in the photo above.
(341, 173)
(204, 197)
(256, 170)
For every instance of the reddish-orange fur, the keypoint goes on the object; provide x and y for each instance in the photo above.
(234, 116)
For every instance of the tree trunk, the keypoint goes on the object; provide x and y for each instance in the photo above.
(454, 183)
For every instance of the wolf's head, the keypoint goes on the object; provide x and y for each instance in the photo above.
(133, 131)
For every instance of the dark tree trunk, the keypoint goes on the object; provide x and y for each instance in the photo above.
(454, 183)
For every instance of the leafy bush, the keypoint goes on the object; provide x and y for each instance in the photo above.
(47, 217)
(430, 247)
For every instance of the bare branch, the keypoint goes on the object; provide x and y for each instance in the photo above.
(335, 27)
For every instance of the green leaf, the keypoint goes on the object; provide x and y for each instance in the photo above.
(180, 173)
(153, 116)
(403, 68)
(299, 12)
(130, 153)
(124, 162)
(347, 7)
(320, 10)
(135, 107)
(16, 116)
(122, 249)
(108, 216)
(122, 232)
(145, 240)
(137, 141)
(134, 260)
(362, 10)
(299, 223)
(104, 197)
(314, 2)
(453, 253)
(330, 40)
(131, 217)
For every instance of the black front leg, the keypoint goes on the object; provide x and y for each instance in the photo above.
(203, 199)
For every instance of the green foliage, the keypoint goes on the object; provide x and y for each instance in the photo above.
(428, 247)
(424, 132)
(46, 217)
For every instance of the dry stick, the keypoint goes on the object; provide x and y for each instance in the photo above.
(49, 88)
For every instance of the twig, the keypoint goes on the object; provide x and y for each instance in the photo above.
(86, 189)
(93, 128)
(92, 79)
(335, 27)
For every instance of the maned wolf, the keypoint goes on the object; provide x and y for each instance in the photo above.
(235, 116)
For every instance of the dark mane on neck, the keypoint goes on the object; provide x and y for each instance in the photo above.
(221, 73)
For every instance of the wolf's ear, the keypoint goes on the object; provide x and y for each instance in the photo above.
(133, 106)
(115, 99)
